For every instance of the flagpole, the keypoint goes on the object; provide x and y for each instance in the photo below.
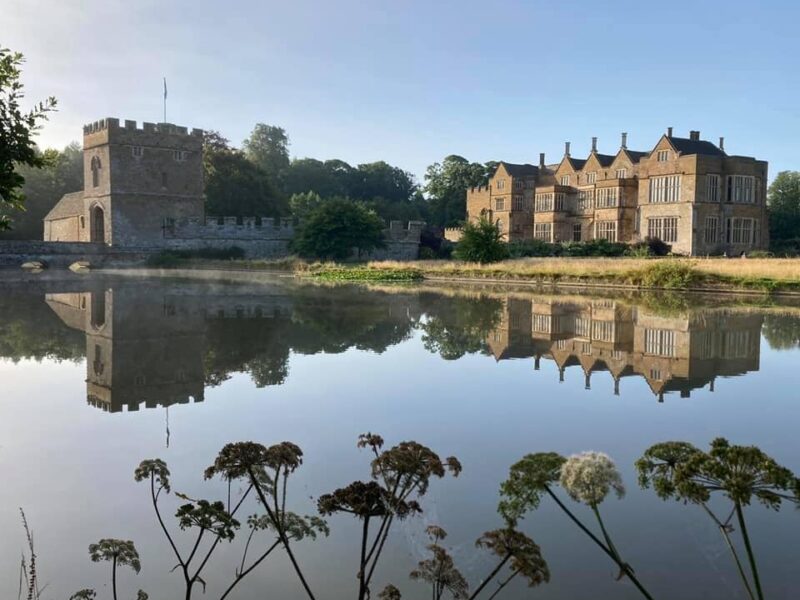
(165, 99)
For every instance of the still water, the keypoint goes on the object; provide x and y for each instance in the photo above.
(99, 374)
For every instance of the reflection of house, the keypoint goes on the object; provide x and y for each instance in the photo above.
(672, 353)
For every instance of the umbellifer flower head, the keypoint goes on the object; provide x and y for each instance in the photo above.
(588, 477)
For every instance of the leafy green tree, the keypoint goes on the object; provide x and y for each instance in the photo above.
(783, 199)
(303, 204)
(16, 130)
(327, 178)
(235, 186)
(382, 180)
(481, 242)
(268, 148)
(337, 227)
(61, 172)
(447, 184)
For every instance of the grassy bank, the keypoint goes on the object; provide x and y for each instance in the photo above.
(778, 275)
(752, 274)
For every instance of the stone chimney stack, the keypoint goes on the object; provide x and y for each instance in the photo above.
(566, 148)
(669, 131)
(722, 143)
(541, 160)
(624, 143)
(594, 144)
(694, 135)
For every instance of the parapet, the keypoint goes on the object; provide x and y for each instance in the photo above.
(479, 189)
(112, 124)
(229, 228)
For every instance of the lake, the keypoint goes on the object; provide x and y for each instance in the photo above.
(101, 373)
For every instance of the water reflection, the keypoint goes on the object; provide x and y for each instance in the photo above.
(677, 353)
(165, 345)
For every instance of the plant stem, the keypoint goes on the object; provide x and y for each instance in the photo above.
(114, 576)
(281, 533)
(750, 556)
(504, 584)
(362, 567)
(602, 546)
(242, 574)
(490, 577)
(731, 547)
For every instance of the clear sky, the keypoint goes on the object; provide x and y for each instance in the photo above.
(410, 82)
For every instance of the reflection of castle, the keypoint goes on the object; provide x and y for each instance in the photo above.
(672, 353)
(149, 348)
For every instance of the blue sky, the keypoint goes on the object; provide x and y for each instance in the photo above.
(410, 82)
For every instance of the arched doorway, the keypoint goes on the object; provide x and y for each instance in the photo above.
(98, 222)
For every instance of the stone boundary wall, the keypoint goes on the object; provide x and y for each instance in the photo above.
(60, 255)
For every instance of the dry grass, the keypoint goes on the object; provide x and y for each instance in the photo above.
(784, 269)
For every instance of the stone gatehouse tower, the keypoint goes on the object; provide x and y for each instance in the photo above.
(136, 180)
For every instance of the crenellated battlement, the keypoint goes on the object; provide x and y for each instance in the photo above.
(229, 228)
(113, 124)
(479, 189)
(401, 232)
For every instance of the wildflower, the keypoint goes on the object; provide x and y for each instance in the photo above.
(589, 477)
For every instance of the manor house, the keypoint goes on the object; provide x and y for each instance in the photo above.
(143, 192)
(687, 192)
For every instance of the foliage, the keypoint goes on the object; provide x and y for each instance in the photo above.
(121, 552)
(782, 332)
(527, 480)
(481, 242)
(61, 172)
(303, 204)
(236, 186)
(268, 149)
(400, 477)
(440, 570)
(16, 134)
(783, 200)
(446, 185)
(28, 569)
(337, 273)
(525, 554)
(461, 326)
(668, 274)
(649, 247)
(336, 228)
(532, 248)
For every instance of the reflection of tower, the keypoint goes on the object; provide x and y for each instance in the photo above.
(139, 348)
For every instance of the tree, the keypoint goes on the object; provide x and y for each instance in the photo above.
(268, 148)
(783, 199)
(382, 180)
(235, 186)
(302, 205)
(16, 131)
(336, 228)
(61, 172)
(447, 184)
(328, 179)
(481, 242)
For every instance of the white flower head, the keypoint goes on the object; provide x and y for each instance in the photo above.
(588, 477)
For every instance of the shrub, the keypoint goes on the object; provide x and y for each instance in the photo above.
(337, 227)
(649, 247)
(530, 248)
(760, 254)
(481, 242)
(669, 274)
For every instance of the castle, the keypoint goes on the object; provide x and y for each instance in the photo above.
(686, 192)
(143, 191)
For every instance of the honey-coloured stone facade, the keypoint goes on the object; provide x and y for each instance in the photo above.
(686, 192)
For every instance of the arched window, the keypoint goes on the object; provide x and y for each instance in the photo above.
(96, 166)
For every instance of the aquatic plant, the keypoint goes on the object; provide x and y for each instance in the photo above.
(588, 478)
(680, 471)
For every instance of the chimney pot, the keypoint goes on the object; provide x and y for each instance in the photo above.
(694, 135)
(722, 143)
(594, 144)
(566, 148)
(669, 131)
(624, 143)
(541, 160)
